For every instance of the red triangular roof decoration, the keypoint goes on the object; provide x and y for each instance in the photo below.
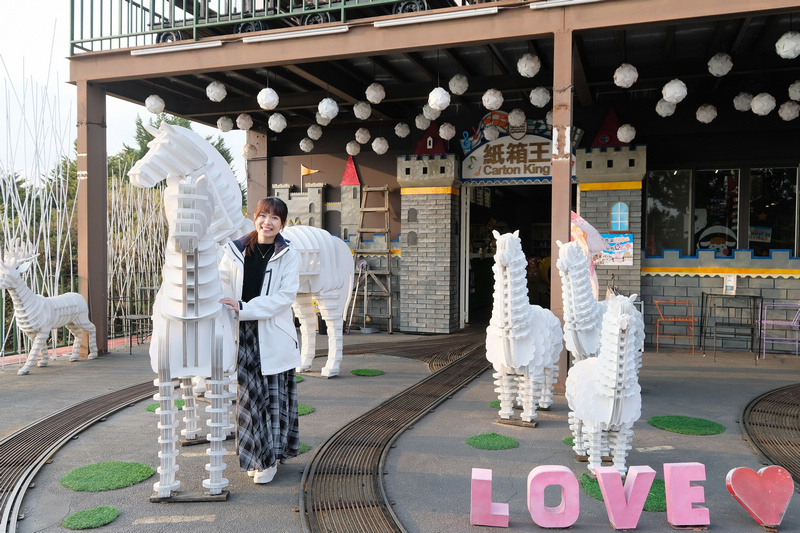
(439, 145)
(607, 134)
(350, 176)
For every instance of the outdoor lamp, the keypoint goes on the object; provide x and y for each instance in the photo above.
(267, 99)
(277, 123)
(529, 65)
(362, 110)
(375, 93)
(154, 104)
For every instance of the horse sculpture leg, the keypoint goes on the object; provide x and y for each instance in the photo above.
(304, 311)
(167, 423)
(190, 416)
(218, 423)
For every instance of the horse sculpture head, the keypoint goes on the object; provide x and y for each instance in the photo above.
(17, 259)
(509, 247)
(172, 152)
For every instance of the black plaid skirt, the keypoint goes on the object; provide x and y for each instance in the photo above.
(268, 425)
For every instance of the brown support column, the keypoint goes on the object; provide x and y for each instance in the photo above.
(257, 171)
(93, 208)
(562, 173)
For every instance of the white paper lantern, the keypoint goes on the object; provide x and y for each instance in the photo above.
(706, 113)
(788, 46)
(430, 113)
(224, 124)
(402, 130)
(322, 121)
(664, 108)
(154, 104)
(674, 91)
(362, 110)
(306, 144)
(375, 93)
(380, 145)
(458, 84)
(625, 75)
(762, 104)
(267, 99)
(529, 65)
(447, 131)
(353, 148)
(492, 99)
(314, 132)
(244, 121)
(794, 91)
(720, 64)
(328, 108)
(439, 99)
(540, 96)
(742, 101)
(422, 122)
(491, 132)
(277, 122)
(216, 91)
(249, 151)
(789, 110)
(549, 118)
(626, 133)
(362, 135)
(516, 118)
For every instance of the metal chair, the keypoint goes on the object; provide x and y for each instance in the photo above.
(673, 312)
(780, 320)
(136, 321)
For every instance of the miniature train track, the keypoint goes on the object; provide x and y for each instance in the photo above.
(25, 451)
(772, 425)
(342, 485)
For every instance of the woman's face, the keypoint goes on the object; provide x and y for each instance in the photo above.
(268, 226)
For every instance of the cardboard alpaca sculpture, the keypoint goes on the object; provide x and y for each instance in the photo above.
(37, 315)
(523, 341)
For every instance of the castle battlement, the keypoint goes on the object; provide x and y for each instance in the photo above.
(438, 170)
(627, 163)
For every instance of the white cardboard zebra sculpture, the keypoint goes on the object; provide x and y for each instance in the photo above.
(38, 315)
(523, 341)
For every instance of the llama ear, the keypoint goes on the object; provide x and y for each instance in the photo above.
(516, 233)
(496, 234)
(559, 243)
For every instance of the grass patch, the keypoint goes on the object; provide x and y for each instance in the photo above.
(298, 379)
(91, 518)
(367, 372)
(569, 441)
(492, 441)
(153, 406)
(686, 425)
(496, 405)
(106, 476)
(304, 448)
(656, 501)
(303, 409)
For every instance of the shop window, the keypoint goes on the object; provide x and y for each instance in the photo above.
(619, 217)
(716, 210)
(773, 209)
(667, 208)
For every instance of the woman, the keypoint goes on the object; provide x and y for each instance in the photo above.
(260, 279)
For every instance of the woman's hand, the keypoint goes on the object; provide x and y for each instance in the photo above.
(230, 303)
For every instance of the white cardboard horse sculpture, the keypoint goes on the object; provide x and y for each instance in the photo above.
(523, 341)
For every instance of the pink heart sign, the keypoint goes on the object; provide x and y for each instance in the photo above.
(764, 494)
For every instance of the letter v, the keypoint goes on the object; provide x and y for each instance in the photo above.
(624, 506)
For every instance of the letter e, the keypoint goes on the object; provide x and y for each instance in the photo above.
(682, 495)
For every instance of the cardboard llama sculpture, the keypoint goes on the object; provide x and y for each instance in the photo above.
(37, 315)
(326, 276)
(523, 341)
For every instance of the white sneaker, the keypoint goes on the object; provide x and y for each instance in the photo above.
(251, 473)
(265, 476)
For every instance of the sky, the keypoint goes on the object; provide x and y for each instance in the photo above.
(39, 107)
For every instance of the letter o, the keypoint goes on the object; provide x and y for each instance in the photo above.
(565, 514)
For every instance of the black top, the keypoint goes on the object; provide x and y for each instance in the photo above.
(254, 267)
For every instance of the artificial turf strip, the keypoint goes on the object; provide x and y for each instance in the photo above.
(656, 501)
(492, 441)
(153, 406)
(569, 441)
(298, 379)
(91, 518)
(303, 409)
(106, 476)
(367, 372)
(686, 425)
(303, 448)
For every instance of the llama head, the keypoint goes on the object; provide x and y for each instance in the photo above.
(17, 259)
(509, 247)
(571, 257)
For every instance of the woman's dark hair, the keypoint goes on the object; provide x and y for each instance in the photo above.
(270, 206)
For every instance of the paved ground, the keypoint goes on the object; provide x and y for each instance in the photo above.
(429, 470)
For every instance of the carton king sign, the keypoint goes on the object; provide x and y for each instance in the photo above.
(526, 157)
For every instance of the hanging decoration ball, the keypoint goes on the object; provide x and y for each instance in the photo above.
(430, 113)
(375, 93)
(267, 99)
(422, 122)
(492, 99)
(216, 91)
(491, 132)
(277, 123)
(380, 145)
(625, 75)
(224, 124)
(244, 121)
(540, 96)
(706, 113)
(447, 131)
(328, 108)
(548, 118)
(154, 104)
(529, 65)
(458, 84)
(789, 110)
(516, 118)
(439, 99)
(402, 130)
(249, 151)
(362, 110)
(362, 135)
(664, 108)
(762, 104)
(720, 64)
(788, 46)
(322, 121)
(353, 148)
(314, 132)
(626, 133)
(674, 91)
(306, 144)
(743, 101)
(794, 91)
